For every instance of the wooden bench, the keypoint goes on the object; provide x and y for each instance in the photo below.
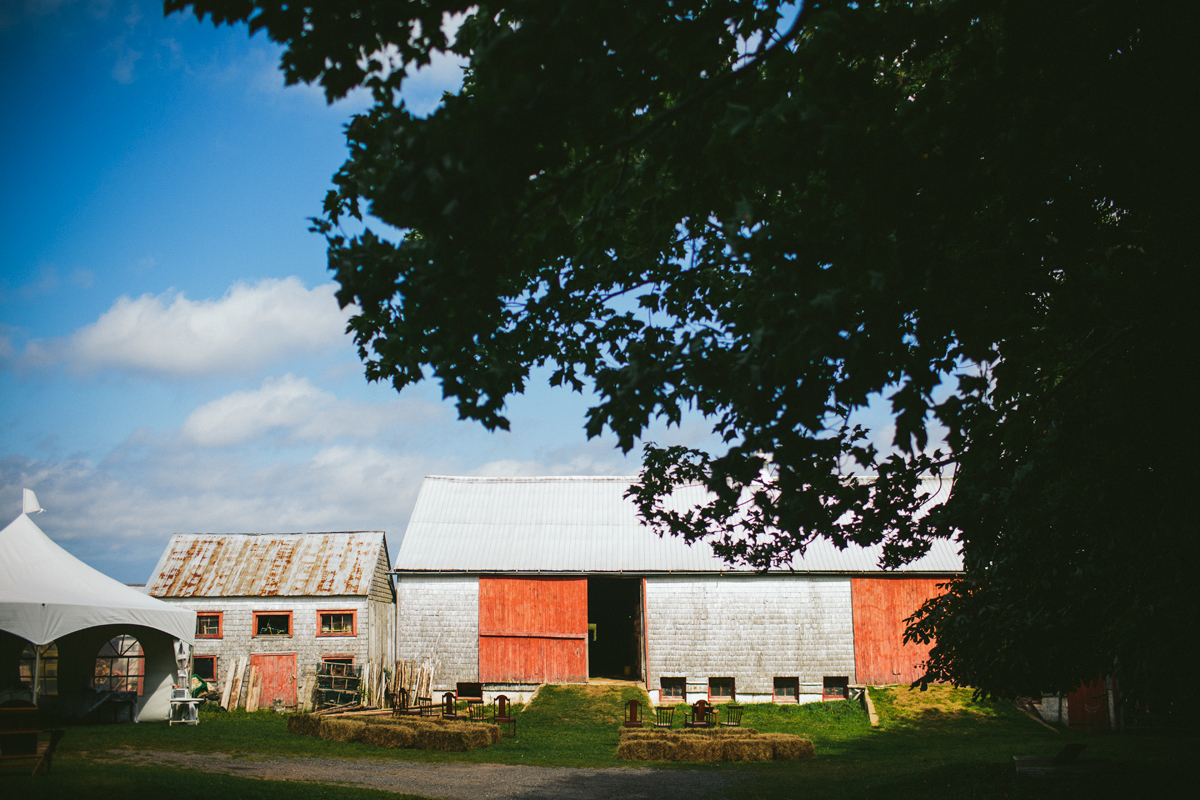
(469, 692)
(19, 745)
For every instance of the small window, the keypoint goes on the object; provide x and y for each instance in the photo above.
(120, 666)
(347, 660)
(47, 667)
(205, 667)
(336, 623)
(720, 688)
(786, 689)
(208, 625)
(272, 623)
(674, 687)
(835, 688)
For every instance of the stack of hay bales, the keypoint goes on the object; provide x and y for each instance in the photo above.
(415, 732)
(732, 744)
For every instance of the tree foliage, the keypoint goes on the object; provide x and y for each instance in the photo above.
(770, 216)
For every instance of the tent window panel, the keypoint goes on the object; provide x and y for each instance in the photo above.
(209, 624)
(336, 623)
(120, 666)
(48, 670)
(272, 623)
(205, 667)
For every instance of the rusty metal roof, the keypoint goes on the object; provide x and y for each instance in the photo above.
(586, 524)
(267, 564)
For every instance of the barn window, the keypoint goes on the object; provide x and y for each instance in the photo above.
(338, 659)
(720, 688)
(272, 623)
(786, 689)
(205, 667)
(835, 688)
(208, 624)
(336, 623)
(47, 669)
(674, 687)
(120, 665)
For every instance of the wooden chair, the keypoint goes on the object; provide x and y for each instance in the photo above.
(502, 716)
(733, 717)
(448, 707)
(402, 703)
(633, 715)
(477, 712)
(19, 743)
(664, 717)
(701, 714)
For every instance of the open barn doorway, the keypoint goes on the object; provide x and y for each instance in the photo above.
(615, 642)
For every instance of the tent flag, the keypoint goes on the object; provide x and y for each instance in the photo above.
(29, 504)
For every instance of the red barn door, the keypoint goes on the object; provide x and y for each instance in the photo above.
(277, 673)
(533, 630)
(881, 606)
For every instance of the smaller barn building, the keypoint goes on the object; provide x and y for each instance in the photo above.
(282, 603)
(514, 582)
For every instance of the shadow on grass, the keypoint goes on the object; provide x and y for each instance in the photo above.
(75, 777)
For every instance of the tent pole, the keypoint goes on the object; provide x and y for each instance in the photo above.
(37, 672)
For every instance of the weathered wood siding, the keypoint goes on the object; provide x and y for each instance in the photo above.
(439, 625)
(238, 638)
(749, 628)
(533, 630)
(881, 606)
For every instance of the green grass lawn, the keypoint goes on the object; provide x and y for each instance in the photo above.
(936, 744)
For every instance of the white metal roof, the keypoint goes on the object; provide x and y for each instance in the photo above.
(267, 564)
(585, 524)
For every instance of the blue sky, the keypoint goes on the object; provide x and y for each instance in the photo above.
(171, 356)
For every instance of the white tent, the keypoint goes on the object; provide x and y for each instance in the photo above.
(46, 594)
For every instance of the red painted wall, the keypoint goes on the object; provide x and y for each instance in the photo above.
(532, 630)
(881, 606)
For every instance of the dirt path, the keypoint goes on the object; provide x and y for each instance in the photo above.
(455, 781)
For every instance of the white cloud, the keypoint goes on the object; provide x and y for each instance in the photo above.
(299, 411)
(118, 516)
(170, 335)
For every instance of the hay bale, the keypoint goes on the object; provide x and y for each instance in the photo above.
(645, 750)
(696, 748)
(787, 747)
(394, 736)
(747, 748)
(443, 740)
(341, 730)
(303, 724)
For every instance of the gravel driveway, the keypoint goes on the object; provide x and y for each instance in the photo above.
(456, 781)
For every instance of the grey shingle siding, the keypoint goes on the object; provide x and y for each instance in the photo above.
(439, 624)
(752, 629)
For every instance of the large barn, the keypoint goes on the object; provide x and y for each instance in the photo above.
(514, 582)
(281, 604)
